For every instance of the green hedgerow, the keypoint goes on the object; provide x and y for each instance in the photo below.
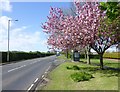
(81, 76)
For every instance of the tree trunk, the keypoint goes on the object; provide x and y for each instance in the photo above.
(85, 54)
(101, 60)
(88, 58)
(67, 53)
(88, 55)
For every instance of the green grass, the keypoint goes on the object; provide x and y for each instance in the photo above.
(115, 55)
(109, 63)
(63, 57)
(61, 80)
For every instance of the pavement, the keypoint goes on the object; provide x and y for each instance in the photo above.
(23, 75)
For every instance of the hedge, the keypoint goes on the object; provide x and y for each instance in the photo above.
(3, 57)
(16, 56)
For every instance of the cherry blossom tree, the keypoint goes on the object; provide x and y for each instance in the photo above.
(91, 21)
(107, 32)
(86, 29)
(56, 28)
(71, 31)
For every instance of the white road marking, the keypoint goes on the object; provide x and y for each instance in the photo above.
(48, 68)
(42, 76)
(30, 87)
(36, 80)
(16, 68)
(33, 62)
(24, 65)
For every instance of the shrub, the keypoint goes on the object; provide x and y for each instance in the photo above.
(81, 76)
(74, 67)
(69, 67)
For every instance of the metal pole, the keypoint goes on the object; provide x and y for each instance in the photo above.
(8, 53)
(8, 59)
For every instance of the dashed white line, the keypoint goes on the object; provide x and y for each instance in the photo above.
(24, 65)
(42, 76)
(33, 62)
(16, 68)
(30, 87)
(13, 69)
(36, 80)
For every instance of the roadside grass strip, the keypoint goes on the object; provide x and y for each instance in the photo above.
(60, 78)
(109, 63)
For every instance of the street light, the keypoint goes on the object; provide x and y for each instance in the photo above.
(8, 58)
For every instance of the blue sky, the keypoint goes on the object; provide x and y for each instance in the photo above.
(26, 34)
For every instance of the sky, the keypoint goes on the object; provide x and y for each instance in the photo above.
(26, 34)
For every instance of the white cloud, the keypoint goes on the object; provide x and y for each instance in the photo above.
(4, 21)
(3, 26)
(5, 5)
(20, 39)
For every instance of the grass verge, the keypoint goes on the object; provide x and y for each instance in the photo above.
(109, 63)
(61, 80)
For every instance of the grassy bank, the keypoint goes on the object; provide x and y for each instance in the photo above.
(103, 79)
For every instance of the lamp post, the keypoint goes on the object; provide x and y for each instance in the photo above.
(8, 55)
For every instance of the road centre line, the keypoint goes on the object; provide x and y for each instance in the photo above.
(20, 67)
(33, 62)
(16, 68)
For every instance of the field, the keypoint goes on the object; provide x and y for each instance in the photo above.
(114, 55)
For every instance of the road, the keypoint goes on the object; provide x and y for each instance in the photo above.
(20, 76)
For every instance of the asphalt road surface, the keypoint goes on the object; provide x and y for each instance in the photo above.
(19, 76)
